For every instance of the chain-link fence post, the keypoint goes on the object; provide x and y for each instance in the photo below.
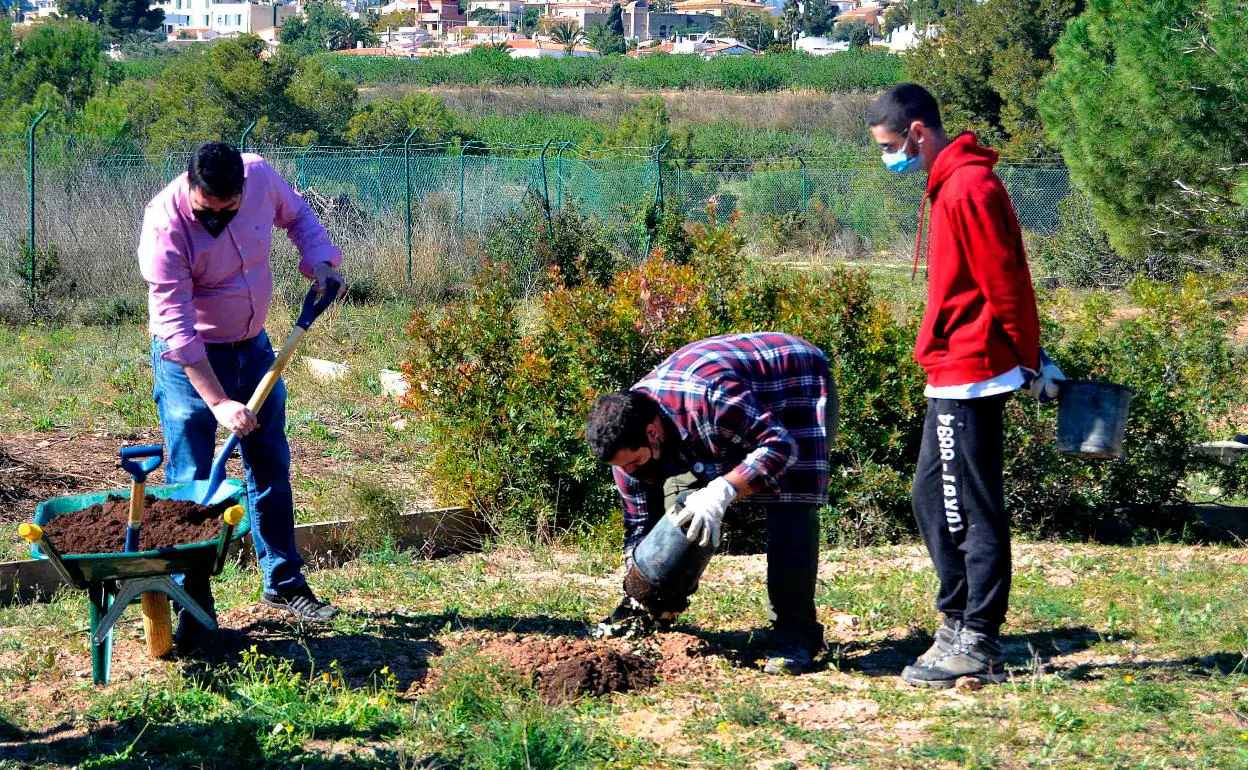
(242, 140)
(407, 196)
(550, 222)
(30, 238)
(658, 194)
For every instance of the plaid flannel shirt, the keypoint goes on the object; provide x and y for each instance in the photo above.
(756, 403)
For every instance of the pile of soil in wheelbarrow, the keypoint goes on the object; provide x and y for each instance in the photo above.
(564, 669)
(101, 528)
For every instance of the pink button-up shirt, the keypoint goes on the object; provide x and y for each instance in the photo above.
(203, 289)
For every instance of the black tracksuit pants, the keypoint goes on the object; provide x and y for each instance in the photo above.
(959, 502)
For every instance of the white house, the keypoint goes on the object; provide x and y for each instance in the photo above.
(195, 17)
(40, 9)
(905, 38)
(708, 47)
(190, 15)
(820, 46)
(719, 8)
(438, 17)
(581, 13)
(248, 17)
(405, 39)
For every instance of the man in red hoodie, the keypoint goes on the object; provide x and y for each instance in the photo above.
(979, 342)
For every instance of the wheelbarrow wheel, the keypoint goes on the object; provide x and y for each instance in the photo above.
(156, 625)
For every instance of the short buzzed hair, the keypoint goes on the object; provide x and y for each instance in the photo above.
(901, 105)
(216, 170)
(618, 421)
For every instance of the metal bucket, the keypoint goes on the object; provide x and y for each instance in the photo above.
(1092, 418)
(668, 561)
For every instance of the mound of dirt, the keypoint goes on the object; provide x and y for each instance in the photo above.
(683, 657)
(101, 528)
(563, 669)
(594, 672)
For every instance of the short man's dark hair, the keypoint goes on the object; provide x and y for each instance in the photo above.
(618, 421)
(901, 105)
(216, 170)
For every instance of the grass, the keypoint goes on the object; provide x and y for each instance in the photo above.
(1125, 675)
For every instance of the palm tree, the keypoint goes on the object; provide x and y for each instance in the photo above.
(568, 35)
(501, 46)
(346, 33)
(737, 24)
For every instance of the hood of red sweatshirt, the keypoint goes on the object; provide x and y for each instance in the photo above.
(964, 150)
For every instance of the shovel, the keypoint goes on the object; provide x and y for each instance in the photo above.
(139, 461)
(313, 305)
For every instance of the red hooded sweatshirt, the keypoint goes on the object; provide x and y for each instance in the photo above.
(981, 318)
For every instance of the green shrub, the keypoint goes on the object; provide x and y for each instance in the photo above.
(377, 517)
(533, 241)
(115, 311)
(390, 121)
(50, 284)
(672, 235)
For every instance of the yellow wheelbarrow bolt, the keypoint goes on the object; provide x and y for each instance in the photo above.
(233, 515)
(31, 533)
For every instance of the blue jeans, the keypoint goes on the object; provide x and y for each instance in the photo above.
(190, 430)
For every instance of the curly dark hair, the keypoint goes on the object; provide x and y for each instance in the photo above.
(618, 421)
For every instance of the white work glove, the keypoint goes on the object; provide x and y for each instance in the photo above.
(704, 512)
(1045, 384)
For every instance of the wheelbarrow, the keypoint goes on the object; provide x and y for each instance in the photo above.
(114, 580)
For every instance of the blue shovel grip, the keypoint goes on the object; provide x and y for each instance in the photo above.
(314, 304)
(139, 461)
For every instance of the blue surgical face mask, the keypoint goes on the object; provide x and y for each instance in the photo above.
(901, 163)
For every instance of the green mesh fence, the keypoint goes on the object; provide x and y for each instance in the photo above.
(89, 196)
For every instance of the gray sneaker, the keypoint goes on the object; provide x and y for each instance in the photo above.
(971, 655)
(945, 638)
(301, 603)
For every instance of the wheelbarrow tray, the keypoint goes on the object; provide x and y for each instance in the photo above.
(87, 568)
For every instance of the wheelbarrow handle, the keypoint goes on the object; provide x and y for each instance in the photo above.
(139, 461)
(33, 534)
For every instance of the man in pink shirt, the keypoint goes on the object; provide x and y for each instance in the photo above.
(204, 252)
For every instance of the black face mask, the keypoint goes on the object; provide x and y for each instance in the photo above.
(214, 221)
(659, 470)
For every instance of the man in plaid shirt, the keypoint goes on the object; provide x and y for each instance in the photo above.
(735, 416)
